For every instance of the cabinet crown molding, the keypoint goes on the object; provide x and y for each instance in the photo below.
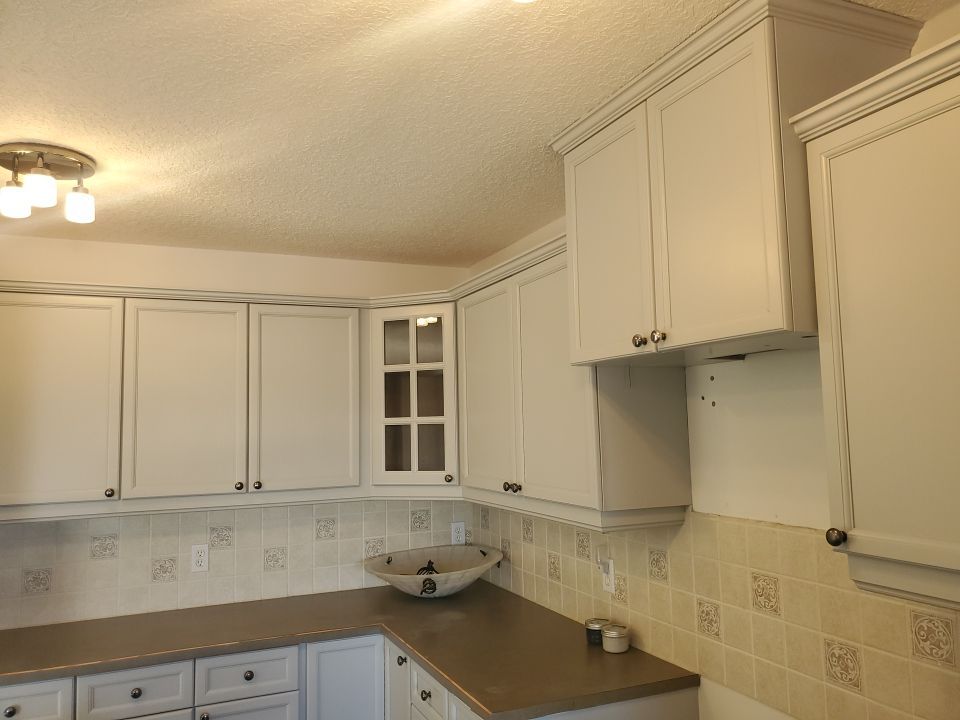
(910, 77)
(836, 15)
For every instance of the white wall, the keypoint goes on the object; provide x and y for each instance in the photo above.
(940, 27)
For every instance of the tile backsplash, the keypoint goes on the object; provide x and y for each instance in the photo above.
(58, 571)
(767, 610)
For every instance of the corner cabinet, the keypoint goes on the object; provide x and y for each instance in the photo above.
(687, 208)
(885, 169)
(413, 395)
(345, 679)
(603, 448)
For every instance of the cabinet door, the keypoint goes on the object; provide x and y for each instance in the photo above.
(304, 397)
(413, 395)
(283, 706)
(48, 700)
(488, 453)
(345, 679)
(885, 221)
(398, 682)
(716, 189)
(185, 398)
(458, 710)
(557, 401)
(608, 242)
(59, 397)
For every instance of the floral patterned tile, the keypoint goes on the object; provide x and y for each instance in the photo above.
(326, 528)
(419, 520)
(221, 536)
(505, 549)
(164, 570)
(373, 547)
(37, 580)
(766, 593)
(620, 589)
(708, 618)
(484, 518)
(274, 558)
(583, 545)
(842, 664)
(659, 567)
(104, 546)
(933, 637)
(526, 528)
(553, 566)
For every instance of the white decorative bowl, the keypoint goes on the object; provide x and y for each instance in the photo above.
(434, 572)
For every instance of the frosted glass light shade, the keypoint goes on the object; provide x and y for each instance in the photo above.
(14, 201)
(41, 188)
(80, 206)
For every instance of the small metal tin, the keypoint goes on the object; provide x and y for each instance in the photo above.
(615, 638)
(594, 628)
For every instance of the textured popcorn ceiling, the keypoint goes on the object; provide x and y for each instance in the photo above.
(402, 130)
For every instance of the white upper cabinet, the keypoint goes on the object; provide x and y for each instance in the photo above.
(304, 397)
(885, 220)
(413, 395)
(60, 371)
(185, 398)
(691, 229)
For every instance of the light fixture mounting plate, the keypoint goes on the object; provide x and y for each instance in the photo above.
(63, 163)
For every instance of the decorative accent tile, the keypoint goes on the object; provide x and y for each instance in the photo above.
(658, 566)
(326, 528)
(419, 520)
(37, 580)
(553, 566)
(933, 638)
(468, 537)
(505, 549)
(843, 664)
(620, 589)
(583, 545)
(708, 618)
(104, 546)
(164, 570)
(484, 518)
(221, 536)
(373, 547)
(274, 558)
(766, 593)
(526, 528)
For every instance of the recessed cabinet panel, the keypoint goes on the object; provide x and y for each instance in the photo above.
(60, 371)
(304, 397)
(345, 679)
(185, 398)
(48, 700)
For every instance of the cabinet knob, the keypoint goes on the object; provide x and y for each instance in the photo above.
(639, 341)
(248, 675)
(425, 695)
(515, 488)
(448, 478)
(238, 485)
(401, 660)
(835, 537)
(257, 485)
(109, 492)
(204, 716)
(136, 693)
(658, 336)
(506, 487)
(9, 712)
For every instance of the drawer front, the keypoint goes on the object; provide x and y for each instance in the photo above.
(233, 677)
(428, 696)
(133, 693)
(416, 714)
(185, 714)
(50, 700)
(458, 710)
(285, 706)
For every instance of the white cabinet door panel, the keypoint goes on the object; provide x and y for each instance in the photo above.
(345, 679)
(48, 700)
(304, 397)
(242, 675)
(284, 706)
(398, 682)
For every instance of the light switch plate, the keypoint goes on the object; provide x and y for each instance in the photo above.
(608, 576)
(458, 533)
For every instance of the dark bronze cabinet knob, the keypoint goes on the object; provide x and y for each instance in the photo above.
(401, 660)
(204, 716)
(506, 487)
(9, 712)
(257, 485)
(448, 478)
(136, 693)
(248, 675)
(835, 537)
(238, 486)
(109, 492)
(425, 695)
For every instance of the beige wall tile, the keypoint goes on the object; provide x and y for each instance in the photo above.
(936, 693)
(804, 651)
(661, 639)
(685, 649)
(683, 610)
(681, 570)
(735, 585)
(843, 705)
(737, 631)
(801, 602)
(769, 638)
(876, 711)
(710, 655)
(738, 669)
(832, 568)
(660, 602)
(840, 613)
(798, 556)
(807, 697)
(732, 541)
(763, 547)
(885, 624)
(886, 679)
(706, 577)
(705, 537)
(772, 687)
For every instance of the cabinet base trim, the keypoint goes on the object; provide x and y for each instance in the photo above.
(919, 583)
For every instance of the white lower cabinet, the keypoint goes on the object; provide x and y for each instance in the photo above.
(244, 675)
(134, 693)
(397, 678)
(345, 679)
(283, 706)
(428, 696)
(50, 700)
(458, 710)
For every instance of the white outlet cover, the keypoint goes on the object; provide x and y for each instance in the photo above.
(199, 558)
(608, 575)
(458, 533)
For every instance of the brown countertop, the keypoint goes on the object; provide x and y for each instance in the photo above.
(504, 656)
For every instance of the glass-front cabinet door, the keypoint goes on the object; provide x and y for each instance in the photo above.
(413, 395)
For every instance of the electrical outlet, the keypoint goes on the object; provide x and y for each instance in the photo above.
(200, 558)
(458, 533)
(608, 575)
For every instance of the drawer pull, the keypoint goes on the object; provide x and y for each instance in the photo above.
(9, 712)
(248, 675)
(401, 660)
(204, 716)
(425, 695)
(136, 693)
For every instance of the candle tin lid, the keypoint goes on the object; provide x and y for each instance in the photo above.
(614, 631)
(596, 623)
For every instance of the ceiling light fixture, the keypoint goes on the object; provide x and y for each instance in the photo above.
(42, 165)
